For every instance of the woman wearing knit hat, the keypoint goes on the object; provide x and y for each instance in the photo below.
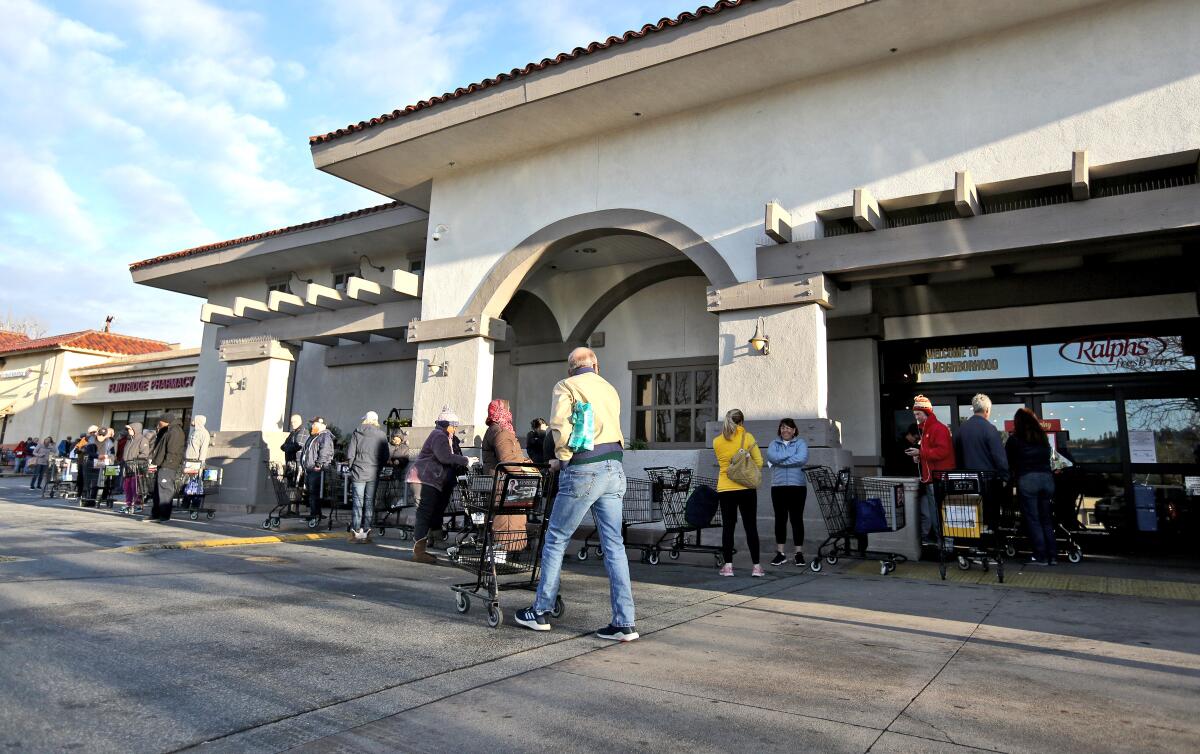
(440, 458)
(935, 453)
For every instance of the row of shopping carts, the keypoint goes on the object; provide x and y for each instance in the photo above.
(194, 483)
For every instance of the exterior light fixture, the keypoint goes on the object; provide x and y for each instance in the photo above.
(372, 265)
(760, 342)
(234, 385)
(439, 369)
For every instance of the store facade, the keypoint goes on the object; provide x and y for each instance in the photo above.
(139, 389)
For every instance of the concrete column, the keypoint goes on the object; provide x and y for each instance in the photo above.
(792, 380)
(454, 373)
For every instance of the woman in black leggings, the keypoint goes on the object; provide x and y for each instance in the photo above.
(736, 498)
(787, 455)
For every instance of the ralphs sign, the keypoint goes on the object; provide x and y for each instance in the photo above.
(1125, 351)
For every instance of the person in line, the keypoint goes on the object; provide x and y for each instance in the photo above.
(977, 447)
(41, 459)
(135, 456)
(436, 466)
(315, 458)
(500, 445)
(1028, 450)
(195, 455)
(85, 456)
(786, 455)
(293, 444)
(106, 454)
(19, 454)
(535, 441)
(64, 446)
(366, 453)
(735, 497)
(398, 459)
(589, 480)
(935, 453)
(167, 457)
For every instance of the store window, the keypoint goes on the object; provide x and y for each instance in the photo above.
(1089, 431)
(673, 404)
(1112, 354)
(1163, 430)
(921, 363)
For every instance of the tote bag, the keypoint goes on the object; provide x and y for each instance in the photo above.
(583, 427)
(742, 469)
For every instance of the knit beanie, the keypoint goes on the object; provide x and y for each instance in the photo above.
(449, 417)
(370, 418)
(921, 403)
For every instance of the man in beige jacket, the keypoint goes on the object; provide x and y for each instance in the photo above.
(589, 480)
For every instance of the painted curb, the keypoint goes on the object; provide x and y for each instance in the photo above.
(230, 542)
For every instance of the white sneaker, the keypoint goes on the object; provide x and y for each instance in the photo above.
(360, 535)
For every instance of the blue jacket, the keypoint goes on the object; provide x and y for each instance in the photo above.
(787, 461)
(977, 447)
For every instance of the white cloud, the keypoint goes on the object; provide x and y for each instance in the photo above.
(32, 187)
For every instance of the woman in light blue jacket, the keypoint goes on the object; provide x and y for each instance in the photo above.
(786, 456)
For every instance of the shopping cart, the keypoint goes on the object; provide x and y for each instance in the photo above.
(291, 494)
(502, 551)
(670, 490)
(472, 489)
(848, 504)
(641, 506)
(108, 479)
(1016, 535)
(391, 499)
(195, 484)
(143, 480)
(968, 508)
(60, 477)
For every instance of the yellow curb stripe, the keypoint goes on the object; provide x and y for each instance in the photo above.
(230, 542)
(1174, 590)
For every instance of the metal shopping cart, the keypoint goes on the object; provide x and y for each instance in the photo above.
(143, 480)
(391, 500)
(60, 477)
(196, 483)
(497, 550)
(968, 507)
(854, 508)
(291, 494)
(641, 506)
(671, 489)
(1016, 535)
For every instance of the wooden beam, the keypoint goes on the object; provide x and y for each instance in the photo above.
(370, 353)
(966, 197)
(1080, 179)
(778, 223)
(784, 291)
(866, 212)
(456, 328)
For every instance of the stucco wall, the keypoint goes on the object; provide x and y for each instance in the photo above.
(854, 393)
(1120, 80)
(343, 394)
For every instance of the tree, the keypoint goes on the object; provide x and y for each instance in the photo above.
(30, 327)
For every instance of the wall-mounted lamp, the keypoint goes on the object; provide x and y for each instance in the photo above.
(372, 265)
(439, 368)
(759, 341)
(234, 385)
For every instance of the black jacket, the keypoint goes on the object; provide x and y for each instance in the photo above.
(534, 443)
(367, 452)
(977, 447)
(1025, 458)
(294, 443)
(169, 444)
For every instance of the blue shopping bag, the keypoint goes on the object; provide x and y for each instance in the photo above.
(869, 517)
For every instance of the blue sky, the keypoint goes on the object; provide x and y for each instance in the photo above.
(133, 128)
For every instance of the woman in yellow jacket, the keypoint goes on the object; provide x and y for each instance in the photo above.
(733, 496)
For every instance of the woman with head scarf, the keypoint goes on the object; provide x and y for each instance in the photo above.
(500, 445)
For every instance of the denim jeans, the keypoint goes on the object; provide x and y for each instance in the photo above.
(931, 531)
(39, 474)
(598, 487)
(312, 481)
(362, 515)
(1036, 491)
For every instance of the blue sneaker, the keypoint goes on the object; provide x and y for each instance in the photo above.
(530, 618)
(618, 633)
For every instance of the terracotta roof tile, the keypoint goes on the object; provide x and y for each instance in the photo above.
(89, 340)
(260, 236)
(9, 339)
(565, 57)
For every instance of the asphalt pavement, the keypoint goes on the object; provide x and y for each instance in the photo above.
(111, 639)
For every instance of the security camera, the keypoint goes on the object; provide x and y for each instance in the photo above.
(436, 236)
(438, 232)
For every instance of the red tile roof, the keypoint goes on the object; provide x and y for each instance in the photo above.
(89, 340)
(9, 339)
(564, 57)
(260, 236)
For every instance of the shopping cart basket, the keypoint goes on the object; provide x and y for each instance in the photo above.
(641, 506)
(291, 495)
(968, 509)
(60, 477)
(671, 489)
(196, 482)
(853, 508)
(391, 500)
(498, 551)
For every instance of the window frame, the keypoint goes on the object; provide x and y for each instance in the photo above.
(673, 366)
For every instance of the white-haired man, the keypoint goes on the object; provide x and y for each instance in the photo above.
(591, 479)
(367, 453)
(977, 445)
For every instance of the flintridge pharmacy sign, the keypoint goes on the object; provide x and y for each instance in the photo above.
(142, 386)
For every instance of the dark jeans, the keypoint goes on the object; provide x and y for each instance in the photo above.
(788, 502)
(1036, 491)
(312, 485)
(745, 501)
(39, 475)
(430, 510)
(165, 487)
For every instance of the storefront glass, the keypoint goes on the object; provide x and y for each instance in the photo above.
(1111, 354)
(1090, 433)
(1163, 430)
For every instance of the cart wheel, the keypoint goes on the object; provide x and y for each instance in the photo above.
(462, 602)
(267, 524)
(600, 552)
(559, 608)
(275, 524)
(582, 554)
(883, 569)
(382, 531)
(815, 565)
(674, 554)
(964, 563)
(831, 559)
(1075, 555)
(314, 523)
(1010, 550)
(210, 515)
(403, 535)
(891, 566)
(194, 516)
(652, 558)
(720, 559)
(495, 616)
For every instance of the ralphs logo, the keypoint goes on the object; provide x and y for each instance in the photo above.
(1118, 349)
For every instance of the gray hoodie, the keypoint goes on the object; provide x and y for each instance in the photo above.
(198, 440)
(137, 448)
(367, 452)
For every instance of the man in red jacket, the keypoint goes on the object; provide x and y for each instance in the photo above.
(935, 453)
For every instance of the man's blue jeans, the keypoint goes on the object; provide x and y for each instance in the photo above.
(598, 487)
(362, 515)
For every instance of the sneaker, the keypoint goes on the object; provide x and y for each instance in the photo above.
(618, 633)
(726, 570)
(1034, 561)
(757, 572)
(530, 618)
(800, 559)
(779, 559)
